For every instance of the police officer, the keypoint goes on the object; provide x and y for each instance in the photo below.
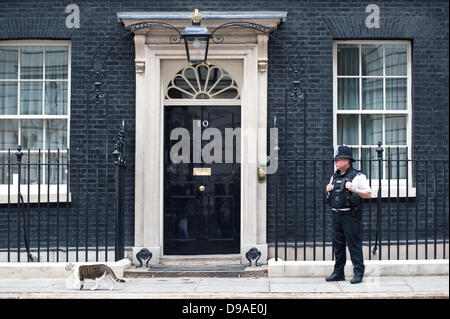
(344, 192)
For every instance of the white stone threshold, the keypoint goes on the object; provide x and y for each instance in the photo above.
(26, 270)
(377, 268)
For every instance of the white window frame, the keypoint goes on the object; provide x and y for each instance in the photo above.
(34, 188)
(403, 190)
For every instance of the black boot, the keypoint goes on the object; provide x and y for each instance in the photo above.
(358, 278)
(335, 277)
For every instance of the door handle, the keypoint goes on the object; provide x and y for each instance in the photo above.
(201, 188)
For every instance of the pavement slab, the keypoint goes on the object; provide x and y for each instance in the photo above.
(377, 284)
(223, 288)
(26, 285)
(305, 287)
(228, 285)
(425, 283)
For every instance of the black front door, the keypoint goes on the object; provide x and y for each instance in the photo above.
(201, 198)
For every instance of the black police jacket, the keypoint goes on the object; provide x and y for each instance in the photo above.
(340, 197)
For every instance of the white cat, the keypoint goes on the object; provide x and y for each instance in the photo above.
(97, 272)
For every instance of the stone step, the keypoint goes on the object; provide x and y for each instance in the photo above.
(200, 260)
(230, 271)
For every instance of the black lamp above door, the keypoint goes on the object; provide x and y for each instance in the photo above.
(196, 36)
(196, 40)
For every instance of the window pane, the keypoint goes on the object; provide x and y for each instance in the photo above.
(372, 94)
(230, 93)
(56, 66)
(56, 169)
(395, 59)
(8, 62)
(31, 62)
(9, 134)
(347, 129)
(391, 166)
(395, 129)
(4, 172)
(223, 83)
(372, 59)
(56, 134)
(29, 171)
(355, 154)
(348, 59)
(197, 48)
(396, 94)
(371, 129)
(8, 98)
(56, 98)
(180, 88)
(191, 78)
(32, 134)
(31, 98)
(369, 163)
(348, 94)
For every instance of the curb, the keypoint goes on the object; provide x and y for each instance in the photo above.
(140, 295)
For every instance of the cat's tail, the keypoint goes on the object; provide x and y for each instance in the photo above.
(114, 276)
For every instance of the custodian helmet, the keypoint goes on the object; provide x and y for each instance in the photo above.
(344, 151)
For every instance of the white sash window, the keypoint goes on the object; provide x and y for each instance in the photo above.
(372, 102)
(34, 107)
(372, 99)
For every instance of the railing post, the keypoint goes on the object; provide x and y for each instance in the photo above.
(120, 161)
(19, 155)
(20, 206)
(379, 151)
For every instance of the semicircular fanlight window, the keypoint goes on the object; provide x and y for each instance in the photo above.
(202, 82)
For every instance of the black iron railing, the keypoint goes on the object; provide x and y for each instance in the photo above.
(62, 205)
(406, 218)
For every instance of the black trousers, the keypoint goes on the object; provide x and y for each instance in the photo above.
(347, 231)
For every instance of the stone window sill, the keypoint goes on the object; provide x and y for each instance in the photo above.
(35, 194)
(391, 190)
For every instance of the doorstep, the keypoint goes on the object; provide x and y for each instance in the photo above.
(216, 271)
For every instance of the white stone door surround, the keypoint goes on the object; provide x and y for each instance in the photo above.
(152, 47)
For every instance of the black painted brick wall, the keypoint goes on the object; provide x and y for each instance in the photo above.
(303, 42)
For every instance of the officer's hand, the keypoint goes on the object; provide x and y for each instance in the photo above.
(350, 186)
(330, 187)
